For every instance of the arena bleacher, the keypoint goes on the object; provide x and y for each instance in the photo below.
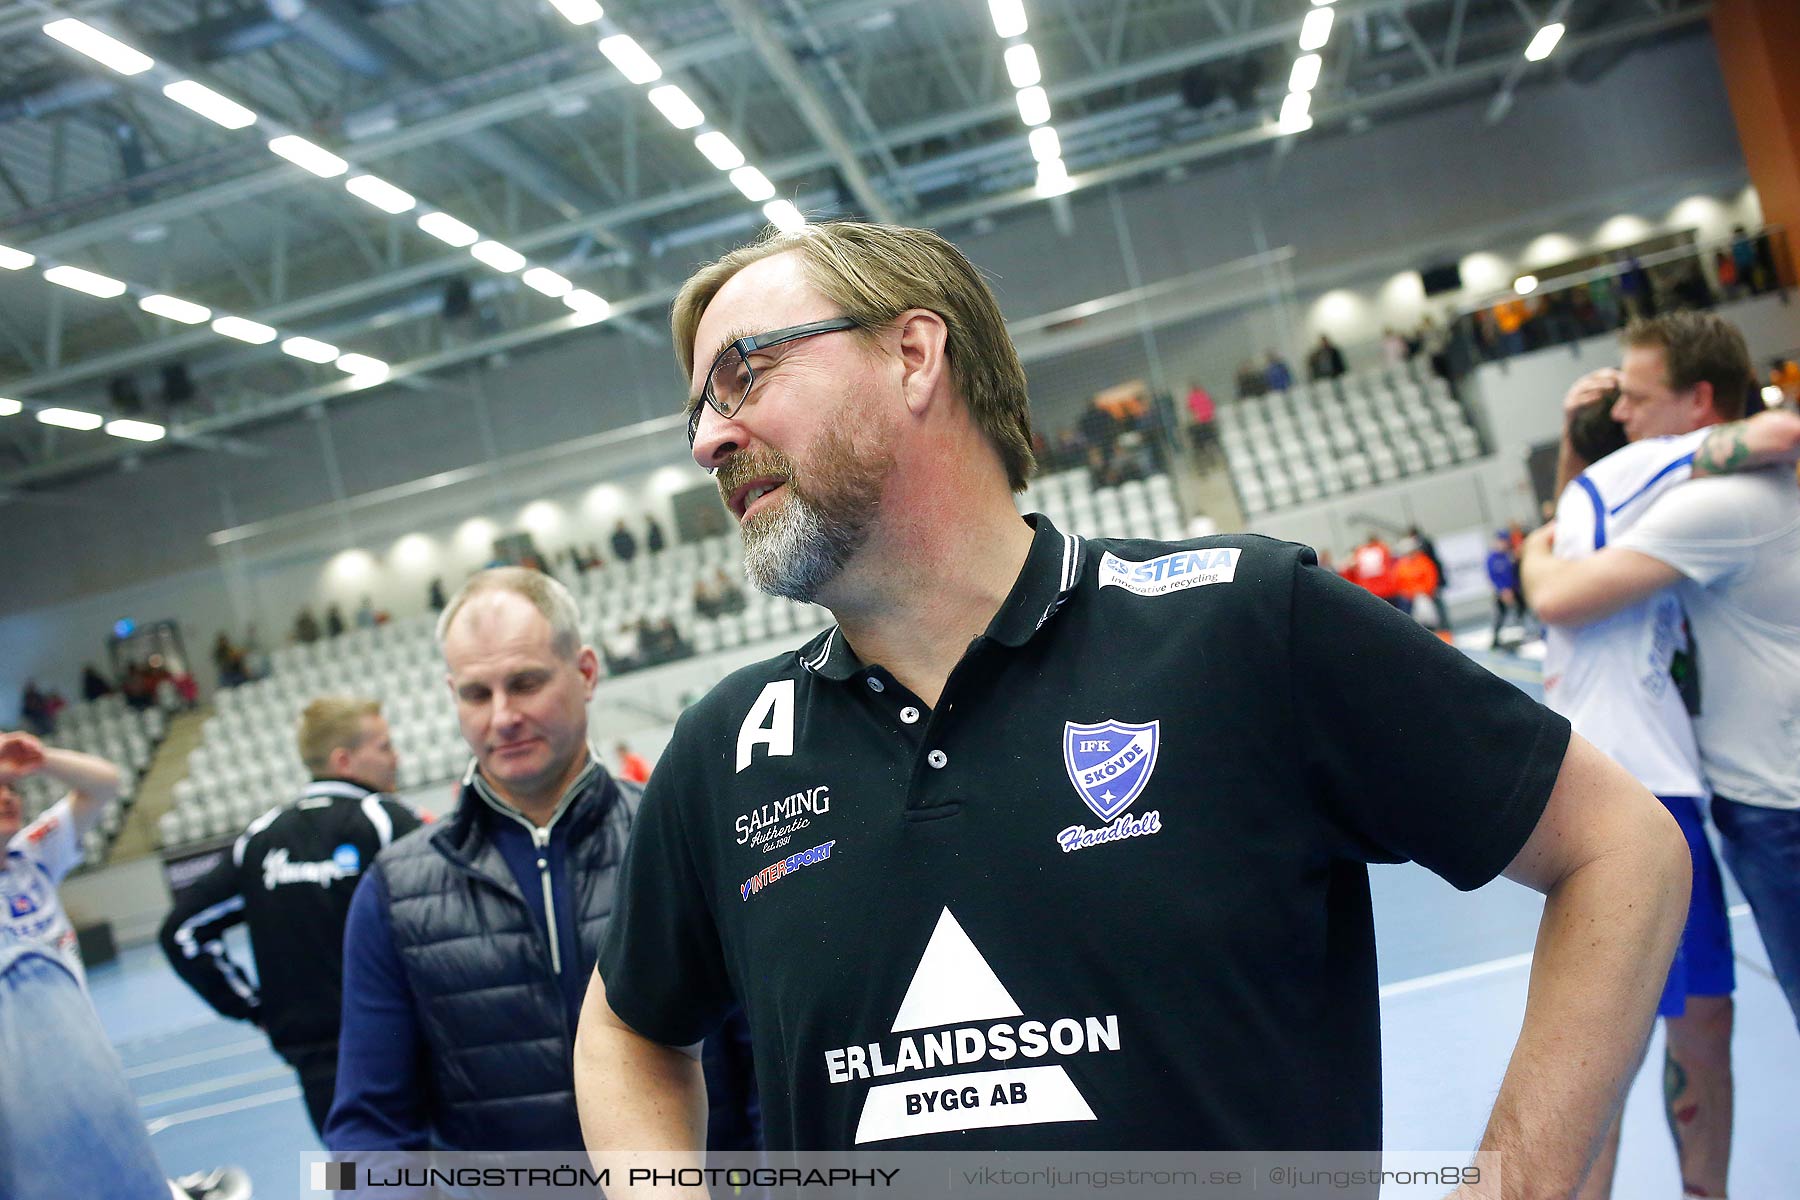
(1330, 438)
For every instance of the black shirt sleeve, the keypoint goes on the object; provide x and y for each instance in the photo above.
(661, 961)
(193, 939)
(1418, 753)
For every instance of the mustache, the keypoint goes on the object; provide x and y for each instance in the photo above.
(744, 466)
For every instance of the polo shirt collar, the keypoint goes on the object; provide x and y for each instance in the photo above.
(1052, 569)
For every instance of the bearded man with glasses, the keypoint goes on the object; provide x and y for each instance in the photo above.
(904, 847)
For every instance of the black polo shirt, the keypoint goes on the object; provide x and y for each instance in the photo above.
(1111, 893)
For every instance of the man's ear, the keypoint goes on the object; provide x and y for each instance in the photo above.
(924, 351)
(1705, 400)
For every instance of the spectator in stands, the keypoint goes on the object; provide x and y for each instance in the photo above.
(1395, 350)
(36, 711)
(1428, 548)
(1277, 375)
(1100, 430)
(653, 536)
(623, 650)
(1743, 259)
(633, 767)
(40, 854)
(1371, 566)
(291, 875)
(728, 594)
(69, 1124)
(1503, 574)
(93, 684)
(1725, 270)
(434, 595)
(706, 601)
(1603, 290)
(470, 943)
(138, 687)
(228, 661)
(334, 621)
(1251, 380)
(1416, 585)
(365, 613)
(1636, 291)
(306, 627)
(594, 561)
(624, 545)
(1203, 417)
(1326, 361)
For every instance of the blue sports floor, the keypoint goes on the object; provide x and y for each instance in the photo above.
(1453, 974)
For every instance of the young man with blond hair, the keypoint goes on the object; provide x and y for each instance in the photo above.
(291, 875)
(1011, 732)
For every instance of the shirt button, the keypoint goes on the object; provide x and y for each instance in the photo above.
(875, 685)
(937, 758)
(909, 714)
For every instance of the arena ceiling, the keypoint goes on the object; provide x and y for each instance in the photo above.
(506, 115)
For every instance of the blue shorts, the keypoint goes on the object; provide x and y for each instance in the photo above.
(1702, 965)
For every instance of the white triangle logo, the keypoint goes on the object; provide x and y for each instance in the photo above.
(954, 985)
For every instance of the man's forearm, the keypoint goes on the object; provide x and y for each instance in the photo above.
(640, 1103)
(1768, 439)
(1604, 945)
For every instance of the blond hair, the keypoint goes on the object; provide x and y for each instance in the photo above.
(872, 274)
(332, 723)
(546, 595)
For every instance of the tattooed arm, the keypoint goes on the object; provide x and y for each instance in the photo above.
(1767, 439)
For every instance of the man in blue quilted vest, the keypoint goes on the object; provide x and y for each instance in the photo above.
(469, 945)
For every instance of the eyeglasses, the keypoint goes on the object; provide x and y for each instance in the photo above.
(729, 381)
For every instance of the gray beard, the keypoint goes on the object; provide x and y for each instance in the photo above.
(795, 552)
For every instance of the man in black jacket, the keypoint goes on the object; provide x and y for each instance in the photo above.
(467, 955)
(291, 875)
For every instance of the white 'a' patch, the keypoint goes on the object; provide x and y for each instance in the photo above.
(770, 723)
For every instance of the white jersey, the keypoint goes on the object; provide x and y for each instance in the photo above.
(1737, 539)
(37, 858)
(1611, 678)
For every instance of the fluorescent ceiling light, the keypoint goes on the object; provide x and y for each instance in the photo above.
(244, 330)
(1009, 17)
(674, 104)
(302, 153)
(578, 12)
(1034, 105)
(1315, 31)
(446, 228)
(107, 51)
(15, 260)
(1022, 65)
(1771, 396)
(1305, 75)
(498, 256)
(311, 349)
(380, 193)
(1053, 178)
(12, 408)
(753, 183)
(1296, 112)
(175, 308)
(209, 104)
(784, 216)
(543, 279)
(85, 281)
(633, 61)
(1525, 284)
(587, 305)
(137, 431)
(1045, 145)
(363, 367)
(720, 150)
(1544, 42)
(70, 418)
